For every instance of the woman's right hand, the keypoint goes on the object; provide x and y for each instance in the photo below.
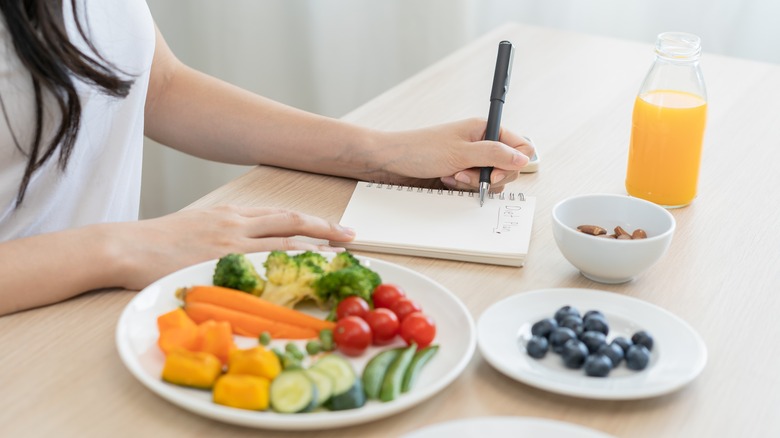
(152, 248)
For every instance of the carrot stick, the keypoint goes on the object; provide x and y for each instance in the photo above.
(244, 302)
(245, 324)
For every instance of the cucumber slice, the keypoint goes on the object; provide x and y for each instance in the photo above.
(375, 371)
(339, 370)
(391, 384)
(324, 384)
(355, 397)
(418, 362)
(293, 391)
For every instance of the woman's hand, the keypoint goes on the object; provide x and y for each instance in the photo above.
(156, 247)
(453, 153)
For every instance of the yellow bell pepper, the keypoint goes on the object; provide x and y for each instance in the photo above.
(242, 391)
(255, 361)
(193, 369)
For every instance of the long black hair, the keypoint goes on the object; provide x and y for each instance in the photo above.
(40, 39)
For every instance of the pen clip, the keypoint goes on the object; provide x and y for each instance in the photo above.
(503, 71)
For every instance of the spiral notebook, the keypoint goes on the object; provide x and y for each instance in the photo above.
(445, 224)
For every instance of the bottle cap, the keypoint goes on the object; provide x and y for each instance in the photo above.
(678, 45)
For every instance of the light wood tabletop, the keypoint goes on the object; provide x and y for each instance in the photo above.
(573, 94)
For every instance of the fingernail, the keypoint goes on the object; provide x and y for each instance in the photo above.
(519, 160)
(462, 177)
(348, 231)
(449, 181)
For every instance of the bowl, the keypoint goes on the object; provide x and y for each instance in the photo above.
(608, 259)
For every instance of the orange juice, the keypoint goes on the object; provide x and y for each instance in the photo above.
(665, 150)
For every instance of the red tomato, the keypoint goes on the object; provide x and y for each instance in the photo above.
(384, 325)
(403, 307)
(386, 294)
(351, 306)
(352, 335)
(419, 328)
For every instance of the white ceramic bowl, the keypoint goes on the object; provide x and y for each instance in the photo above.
(609, 260)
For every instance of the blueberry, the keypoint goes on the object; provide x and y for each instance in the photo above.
(597, 365)
(565, 311)
(593, 340)
(559, 336)
(613, 351)
(574, 353)
(537, 347)
(544, 327)
(637, 357)
(593, 313)
(596, 324)
(643, 338)
(573, 322)
(622, 343)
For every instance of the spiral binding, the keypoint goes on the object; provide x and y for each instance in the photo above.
(399, 187)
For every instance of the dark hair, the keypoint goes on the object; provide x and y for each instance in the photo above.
(40, 39)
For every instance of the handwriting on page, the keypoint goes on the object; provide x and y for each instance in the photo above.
(508, 219)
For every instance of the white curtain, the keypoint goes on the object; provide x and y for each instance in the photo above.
(330, 56)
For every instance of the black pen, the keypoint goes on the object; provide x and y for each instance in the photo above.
(497, 97)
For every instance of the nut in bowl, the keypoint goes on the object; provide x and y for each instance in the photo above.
(610, 255)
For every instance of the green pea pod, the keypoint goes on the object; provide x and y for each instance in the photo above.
(391, 384)
(376, 369)
(418, 362)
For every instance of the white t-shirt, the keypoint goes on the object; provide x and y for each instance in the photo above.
(102, 182)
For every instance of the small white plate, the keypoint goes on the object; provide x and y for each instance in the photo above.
(136, 338)
(678, 354)
(505, 427)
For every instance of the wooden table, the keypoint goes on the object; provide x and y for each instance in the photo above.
(573, 94)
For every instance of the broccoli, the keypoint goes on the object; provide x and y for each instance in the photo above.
(290, 278)
(336, 285)
(237, 272)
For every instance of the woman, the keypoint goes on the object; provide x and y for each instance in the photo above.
(81, 83)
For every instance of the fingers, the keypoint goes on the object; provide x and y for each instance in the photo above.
(287, 223)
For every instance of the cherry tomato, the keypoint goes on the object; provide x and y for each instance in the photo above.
(351, 306)
(419, 328)
(386, 294)
(352, 335)
(384, 325)
(403, 307)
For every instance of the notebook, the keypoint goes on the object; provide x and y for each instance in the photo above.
(445, 224)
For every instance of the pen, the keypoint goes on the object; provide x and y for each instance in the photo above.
(497, 97)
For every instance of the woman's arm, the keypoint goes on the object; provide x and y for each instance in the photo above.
(52, 267)
(209, 118)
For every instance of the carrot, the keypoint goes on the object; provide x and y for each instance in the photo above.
(246, 324)
(244, 302)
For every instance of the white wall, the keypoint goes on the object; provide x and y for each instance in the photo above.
(329, 56)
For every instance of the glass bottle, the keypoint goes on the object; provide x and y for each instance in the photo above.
(668, 123)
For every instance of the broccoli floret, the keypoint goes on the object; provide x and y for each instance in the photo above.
(290, 278)
(343, 260)
(237, 272)
(355, 280)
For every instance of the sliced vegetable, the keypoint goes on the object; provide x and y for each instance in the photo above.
(257, 361)
(240, 301)
(375, 370)
(193, 369)
(177, 331)
(293, 391)
(391, 384)
(339, 369)
(242, 391)
(215, 337)
(354, 398)
(246, 324)
(421, 357)
(324, 384)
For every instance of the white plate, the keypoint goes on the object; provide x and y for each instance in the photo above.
(505, 427)
(136, 338)
(678, 354)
